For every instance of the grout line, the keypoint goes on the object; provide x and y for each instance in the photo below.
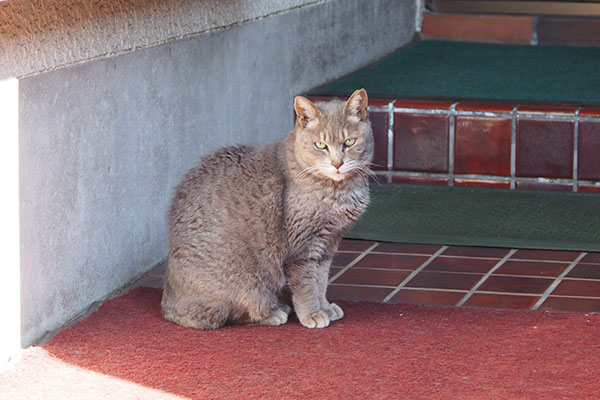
(575, 150)
(352, 263)
(520, 114)
(451, 138)
(513, 148)
(542, 260)
(390, 149)
(534, 30)
(483, 279)
(363, 285)
(430, 254)
(414, 174)
(521, 294)
(414, 273)
(575, 297)
(557, 281)
(435, 289)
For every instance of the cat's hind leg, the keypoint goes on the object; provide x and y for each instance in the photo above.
(193, 312)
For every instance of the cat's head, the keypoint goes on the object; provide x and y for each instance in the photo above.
(334, 139)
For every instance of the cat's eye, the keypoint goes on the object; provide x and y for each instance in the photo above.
(320, 145)
(349, 142)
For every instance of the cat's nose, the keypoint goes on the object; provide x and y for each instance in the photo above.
(337, 164)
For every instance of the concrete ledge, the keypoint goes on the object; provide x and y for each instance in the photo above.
(44, 35)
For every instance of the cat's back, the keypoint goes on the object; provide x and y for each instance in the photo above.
(228, 189)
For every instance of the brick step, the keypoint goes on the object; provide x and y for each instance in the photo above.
(517, 29)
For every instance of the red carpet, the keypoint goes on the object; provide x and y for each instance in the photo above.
(126, 350)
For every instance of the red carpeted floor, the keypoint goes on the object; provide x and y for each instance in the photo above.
(126, 350)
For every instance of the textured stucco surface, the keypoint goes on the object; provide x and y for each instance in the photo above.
(102, 143)
(40, 35)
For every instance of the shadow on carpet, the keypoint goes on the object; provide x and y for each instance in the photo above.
(126, 350)
(481, 217)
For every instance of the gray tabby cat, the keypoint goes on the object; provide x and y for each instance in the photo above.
(252, 227)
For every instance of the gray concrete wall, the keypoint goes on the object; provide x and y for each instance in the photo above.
(102, 143)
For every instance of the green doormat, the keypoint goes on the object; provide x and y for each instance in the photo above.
(481, 217)
(459, 70)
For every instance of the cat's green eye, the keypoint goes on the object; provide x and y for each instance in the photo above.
(349, 142)
(320, 145)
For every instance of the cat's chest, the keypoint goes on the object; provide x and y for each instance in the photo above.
(336, 209)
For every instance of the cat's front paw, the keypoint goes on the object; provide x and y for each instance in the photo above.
(334, 312)
(317, 319)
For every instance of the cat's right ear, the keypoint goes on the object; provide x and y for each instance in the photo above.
(306, 112)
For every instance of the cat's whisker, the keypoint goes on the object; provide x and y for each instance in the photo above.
(306, 171)
(363, 171)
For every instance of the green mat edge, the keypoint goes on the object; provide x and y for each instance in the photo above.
(477, 241)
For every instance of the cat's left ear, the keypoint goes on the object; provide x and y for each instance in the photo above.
(356, 106)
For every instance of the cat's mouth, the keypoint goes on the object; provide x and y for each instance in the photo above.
(337, 174)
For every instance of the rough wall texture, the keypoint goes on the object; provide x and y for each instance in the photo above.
(103, 143)
(42, 35)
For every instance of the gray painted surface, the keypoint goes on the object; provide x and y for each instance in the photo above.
(103, 143)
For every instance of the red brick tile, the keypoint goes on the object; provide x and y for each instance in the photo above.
(513, 284)
(482, 145)
(543, 109)
(593, 258)
(568, 31)
(571, 304)
(544, 148)
(578, 288)
(372, 277)
(343, 259)
(444, 280)
(485, 107)
(421, 142)
(379, 102)
(424, 104)
(420, 180)
(392, 261)
(479, 27)
(505, 301)
(355, 245)
(357, 293)
(483, 183)
(589, 111)
(468, 251)
(582, 187)
(545, 186)
(589, 151)
(379, 124)
(585, 271)
(411, 248)
(457, 264)
(334, 270)
(427, 297)
(531, 268)
(545, 255)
